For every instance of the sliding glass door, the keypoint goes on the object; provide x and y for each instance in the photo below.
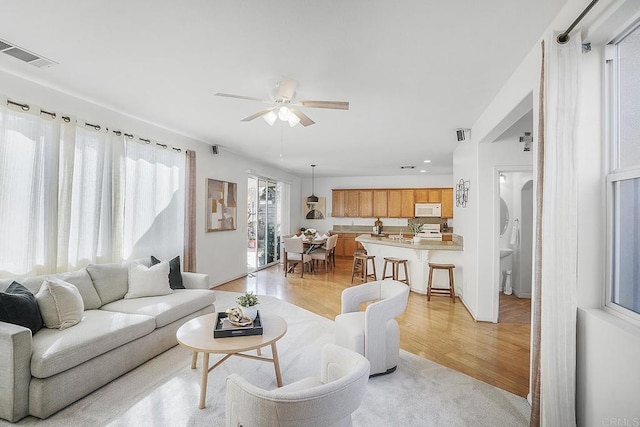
(263, 223)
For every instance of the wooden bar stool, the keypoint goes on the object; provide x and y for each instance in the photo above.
(441, 291)
(361, 263)
(395, 269)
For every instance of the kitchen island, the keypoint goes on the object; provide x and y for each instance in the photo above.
(418, 255)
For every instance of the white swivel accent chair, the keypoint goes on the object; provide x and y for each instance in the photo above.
(374, 333)
(311, 402)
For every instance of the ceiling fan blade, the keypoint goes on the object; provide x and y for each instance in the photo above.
(248, 98)
(304, 119)
(336, 105)
(287, 88)
(256, 115)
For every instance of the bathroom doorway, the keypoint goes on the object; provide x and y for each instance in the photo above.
(516, 246)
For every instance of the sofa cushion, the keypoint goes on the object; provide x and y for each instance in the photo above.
(110, 280)
(18, 305)
(81, 280)
(167, 308)
(55, 351)
(60, 304)
(175, 274)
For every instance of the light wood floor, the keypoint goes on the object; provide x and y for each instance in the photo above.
(437, 330)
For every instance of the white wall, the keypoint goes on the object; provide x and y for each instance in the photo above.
(324, 185)
(221, 254)
(608, 378)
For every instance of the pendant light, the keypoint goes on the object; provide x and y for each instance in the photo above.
(312, 199)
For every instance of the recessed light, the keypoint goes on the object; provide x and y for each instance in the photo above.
(423, 170)
(427, 161)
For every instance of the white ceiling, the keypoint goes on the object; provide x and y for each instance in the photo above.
(413, 71)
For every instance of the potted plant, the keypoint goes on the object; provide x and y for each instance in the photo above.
(248, 301)
(416, 228)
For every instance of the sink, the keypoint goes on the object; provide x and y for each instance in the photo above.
(505, 252)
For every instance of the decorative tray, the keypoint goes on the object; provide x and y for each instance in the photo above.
(224, 329)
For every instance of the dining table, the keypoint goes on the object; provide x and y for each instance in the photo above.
(310, 245)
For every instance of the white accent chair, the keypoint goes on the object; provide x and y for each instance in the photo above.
(294, 253)
(374, 333)
(310, 402)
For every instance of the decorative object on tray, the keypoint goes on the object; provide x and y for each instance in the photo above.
(248, 301)
(237, 318)
(224, 328)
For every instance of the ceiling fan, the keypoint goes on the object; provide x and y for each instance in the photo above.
(284, 105)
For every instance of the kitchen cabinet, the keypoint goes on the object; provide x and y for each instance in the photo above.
(408, 204)
(434, 195)
(365, 204)
(351, 203)
(380, 203)
(447, 203)
(388, 203)
(421, 195)
(394, 204)
(346, 244)
(337, 203)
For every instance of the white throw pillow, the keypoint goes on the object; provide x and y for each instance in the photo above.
(148, 281)
(60, 304)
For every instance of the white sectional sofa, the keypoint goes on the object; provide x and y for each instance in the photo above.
(43, 373)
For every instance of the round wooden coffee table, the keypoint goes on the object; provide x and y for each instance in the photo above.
(197, 335)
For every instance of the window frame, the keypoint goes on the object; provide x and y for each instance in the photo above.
(614, 173)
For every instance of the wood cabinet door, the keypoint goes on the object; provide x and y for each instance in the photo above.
(380, 203)
(340, 246)
(394, 204)
(447, 203)
(422, 195)
(351, 203)
(350, 245)
(408, 204)
(434, 195)
(337, 203)
(365, 203)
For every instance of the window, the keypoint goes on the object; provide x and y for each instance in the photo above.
(623, 179)
(72, 194)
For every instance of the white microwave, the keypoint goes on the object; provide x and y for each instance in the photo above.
(428, 210)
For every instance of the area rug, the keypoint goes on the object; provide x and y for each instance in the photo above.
(165, 391)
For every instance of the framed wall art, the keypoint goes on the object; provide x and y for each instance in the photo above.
(221, 205)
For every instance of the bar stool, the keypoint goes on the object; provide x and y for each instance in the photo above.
(361, 262)
(441, 291)
(395, 269)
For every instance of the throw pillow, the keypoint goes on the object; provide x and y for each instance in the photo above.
(148, 281)
(60, 303)
(18, 305)
(175, 274)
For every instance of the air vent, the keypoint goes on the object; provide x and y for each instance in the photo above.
(25, 55)
(407, 167)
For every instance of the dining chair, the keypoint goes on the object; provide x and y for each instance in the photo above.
(294, 253)
(324, 254)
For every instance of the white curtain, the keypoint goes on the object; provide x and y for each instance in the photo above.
(559, 237)
(28, 182)
(153, 202)
(71, 195)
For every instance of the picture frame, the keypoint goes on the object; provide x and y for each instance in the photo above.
(315, 211)
(221, 205)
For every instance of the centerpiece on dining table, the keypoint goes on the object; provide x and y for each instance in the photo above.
(310, 233)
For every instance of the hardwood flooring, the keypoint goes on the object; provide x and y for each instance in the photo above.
(437, 330)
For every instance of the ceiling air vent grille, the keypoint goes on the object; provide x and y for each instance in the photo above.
(25, 55)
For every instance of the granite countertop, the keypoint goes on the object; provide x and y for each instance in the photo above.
(454, 245)
(390, 229)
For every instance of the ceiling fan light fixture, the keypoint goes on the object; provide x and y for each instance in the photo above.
(293, 120)
(270, 117)
(284, 113)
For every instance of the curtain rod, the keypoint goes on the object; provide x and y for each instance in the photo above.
(564, 37)
(67, 119)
